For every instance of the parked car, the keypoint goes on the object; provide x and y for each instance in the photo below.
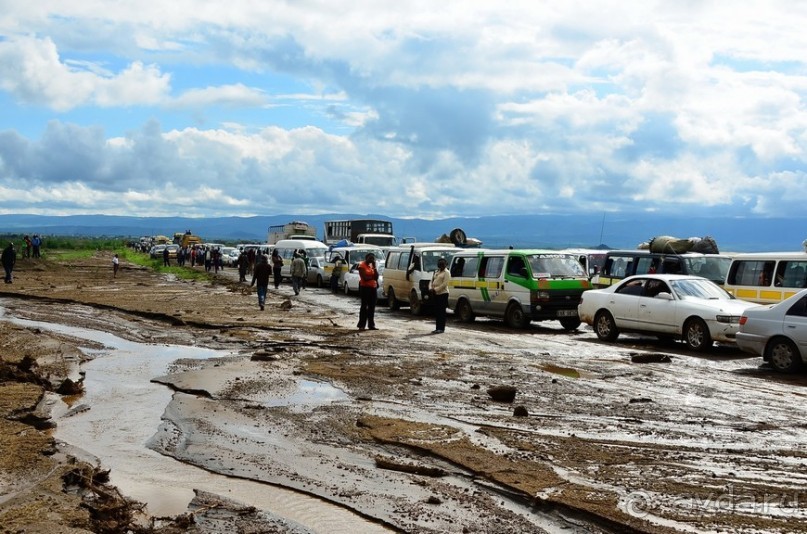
(668, 305)
(156, 251)
(229, 256)
(351, 279)
(777, 332)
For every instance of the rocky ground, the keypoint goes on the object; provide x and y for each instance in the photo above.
(481, 429)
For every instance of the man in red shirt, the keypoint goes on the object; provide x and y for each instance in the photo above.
(368, 285)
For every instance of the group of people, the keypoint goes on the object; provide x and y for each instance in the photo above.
(266, 266)
(8, 258)
(368, 292)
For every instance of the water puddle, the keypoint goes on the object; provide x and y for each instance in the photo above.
(126, 410)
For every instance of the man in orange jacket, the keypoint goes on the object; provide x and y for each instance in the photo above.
(368, 285)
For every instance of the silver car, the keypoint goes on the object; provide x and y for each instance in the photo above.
(777, 332)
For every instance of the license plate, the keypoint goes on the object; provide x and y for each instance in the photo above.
(567, 313)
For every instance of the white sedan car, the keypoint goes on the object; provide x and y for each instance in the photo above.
(351, 279)
(777, 332)
(667, 305)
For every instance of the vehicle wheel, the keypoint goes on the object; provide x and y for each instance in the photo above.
(783, 355)
(515, 317)
(320, 282)
(346, 289)
(696, 335)
(392, 302)
(464, 311)
(605, 326)
(415, 304)
(570, 323)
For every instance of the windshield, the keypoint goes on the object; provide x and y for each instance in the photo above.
(699, 288)
(715, 268)
(548, 265)
(380, 240)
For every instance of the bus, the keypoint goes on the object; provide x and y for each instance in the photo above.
(767, 277)
(367, 231)
(291, 230)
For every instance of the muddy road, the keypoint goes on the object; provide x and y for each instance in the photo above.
(399, 427)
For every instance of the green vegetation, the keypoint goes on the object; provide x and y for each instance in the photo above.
(65, 248)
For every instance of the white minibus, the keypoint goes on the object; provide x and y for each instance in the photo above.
(286, 248)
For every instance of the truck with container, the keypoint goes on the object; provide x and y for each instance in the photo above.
(291, 230)
(365, 231)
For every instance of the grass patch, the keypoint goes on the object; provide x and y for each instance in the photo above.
(156, 264)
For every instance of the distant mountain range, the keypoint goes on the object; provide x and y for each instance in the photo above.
(549, 231)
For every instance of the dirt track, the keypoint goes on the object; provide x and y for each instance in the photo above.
(693, 444)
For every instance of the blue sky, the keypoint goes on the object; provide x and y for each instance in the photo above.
(412, 109)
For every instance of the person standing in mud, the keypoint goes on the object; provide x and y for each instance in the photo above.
(260, 274)
(438, 288)
(8, 259)
(298, 272)
(115, 265)
(368, 287)
(36, 243)
(243, 264)
(336, 274)
(277, 265)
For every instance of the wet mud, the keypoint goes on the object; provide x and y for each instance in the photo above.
(399, 427)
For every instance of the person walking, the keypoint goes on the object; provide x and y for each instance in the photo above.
(368, 285)
(277, 265)
(438, 287)
(336, 274)
(260, 274)
(8, 258)
(166, 258)
(298, 272)
(115, 265)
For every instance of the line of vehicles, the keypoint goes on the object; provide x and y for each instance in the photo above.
(699, 298)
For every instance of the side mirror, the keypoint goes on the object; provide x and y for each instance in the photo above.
(664, 295)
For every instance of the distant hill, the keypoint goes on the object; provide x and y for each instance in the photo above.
(550, 231)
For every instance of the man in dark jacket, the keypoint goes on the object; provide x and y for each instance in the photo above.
(261, 275)
(8, 259)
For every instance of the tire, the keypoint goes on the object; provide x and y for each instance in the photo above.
(464, 311)
(605, 326)
(696, 335)
(346, 289)
(783, 355)
(320, 282)
(570, 323)
(392, 303)
(415, 304)
(515, 317)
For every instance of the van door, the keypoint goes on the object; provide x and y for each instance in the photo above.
(491, 286)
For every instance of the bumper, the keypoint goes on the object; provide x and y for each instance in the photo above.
(751, 343)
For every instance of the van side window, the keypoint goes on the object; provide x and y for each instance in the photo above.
(752, 273)
(645, 265)
(491, 266)
(516, 267)
(392, 260)
(791, 274)
(471, 267)
(403, 263)
(456, 267)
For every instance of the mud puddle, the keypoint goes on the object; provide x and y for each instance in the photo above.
(125, 409)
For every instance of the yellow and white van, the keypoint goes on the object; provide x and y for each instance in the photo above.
(767, 277)
(408, 269)
(518, 286)
(350, 255)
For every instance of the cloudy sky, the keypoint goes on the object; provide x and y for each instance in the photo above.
(408, 109)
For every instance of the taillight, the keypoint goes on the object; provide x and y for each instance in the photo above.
(743, 320)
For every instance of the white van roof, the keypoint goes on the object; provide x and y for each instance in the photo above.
(300, 243)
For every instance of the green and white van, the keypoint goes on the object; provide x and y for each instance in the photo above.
(518, 286)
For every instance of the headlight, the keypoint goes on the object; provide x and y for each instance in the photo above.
(728, 319)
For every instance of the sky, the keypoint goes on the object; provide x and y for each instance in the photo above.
(415, 109)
